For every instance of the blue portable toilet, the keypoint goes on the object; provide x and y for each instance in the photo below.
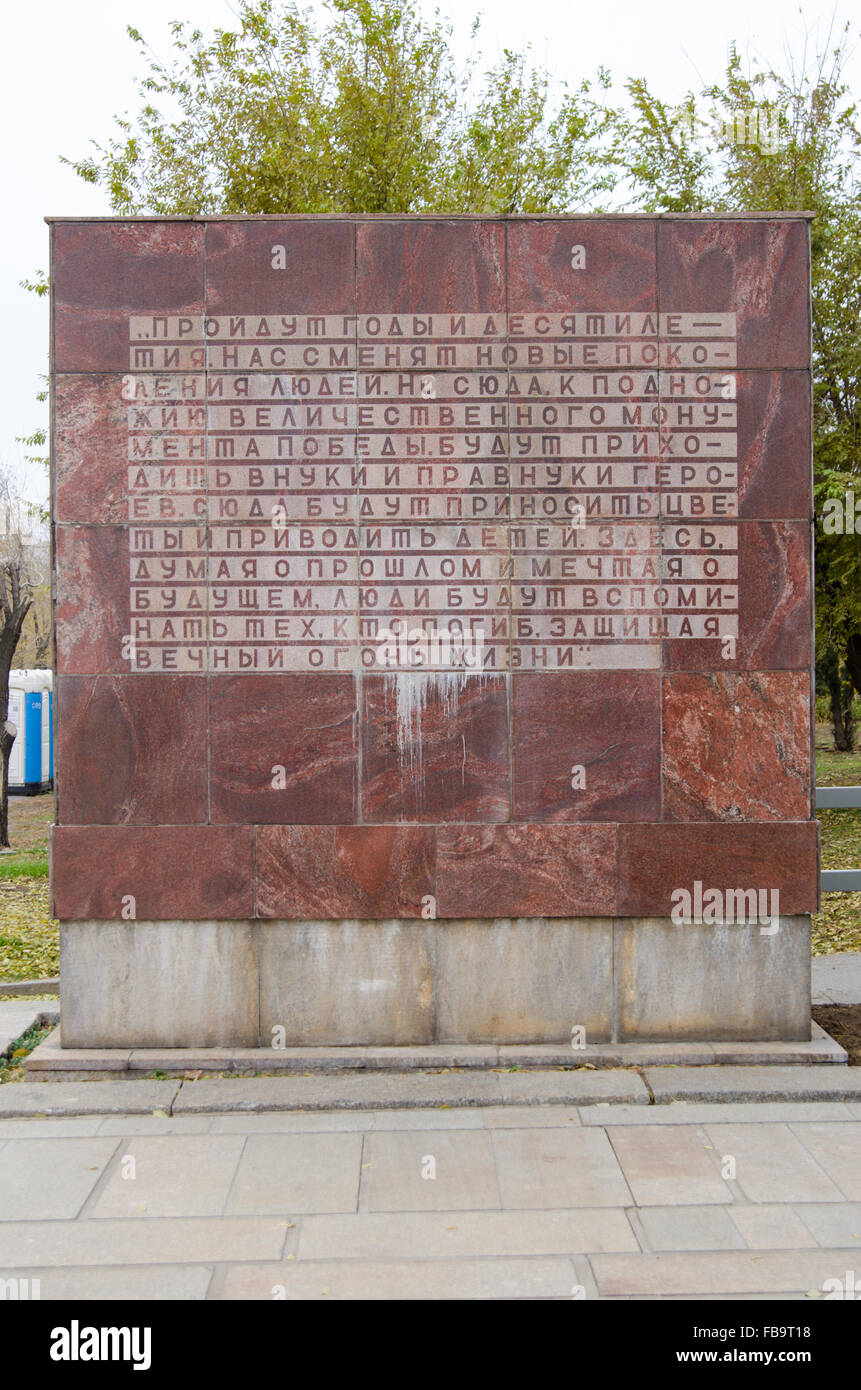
(31, 762)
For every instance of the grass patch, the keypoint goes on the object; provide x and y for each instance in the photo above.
(835, 769)
(838, 926)
(24, 868)
(29, 936)
(12, 1066)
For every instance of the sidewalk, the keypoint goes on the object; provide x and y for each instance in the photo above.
(598, 1201)
(182, 1189)
(836, 979)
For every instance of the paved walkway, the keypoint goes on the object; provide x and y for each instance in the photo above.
(600, 1201)
(837, 979)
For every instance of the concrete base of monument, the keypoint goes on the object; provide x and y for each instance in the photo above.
(52, 1062)
(581, 982)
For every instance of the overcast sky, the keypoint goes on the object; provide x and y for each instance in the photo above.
(67, 67)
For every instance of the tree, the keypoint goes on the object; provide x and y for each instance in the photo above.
(772, 141)
(19, 577)
(366, 114)
(369, 113)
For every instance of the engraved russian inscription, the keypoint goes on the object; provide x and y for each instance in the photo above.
(488, 491)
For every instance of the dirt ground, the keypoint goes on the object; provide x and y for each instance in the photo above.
(843, 1022)
(30, 819)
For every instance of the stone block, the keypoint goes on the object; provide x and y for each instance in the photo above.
(105, 272)
(131, 751)
(512, 981)
(171, 984)
(153, 873)
(721, 982)
(318, 873)
(526, 871)
(562, 720)
(334, 983)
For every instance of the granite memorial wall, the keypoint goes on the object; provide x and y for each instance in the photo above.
(433, 629)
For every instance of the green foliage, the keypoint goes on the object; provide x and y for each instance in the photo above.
(769, 141)
(366, 114)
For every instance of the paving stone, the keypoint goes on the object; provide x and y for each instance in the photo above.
(772, 1165)
(729, 1083)
(820, 1050)
(128, 1283)
(718, 1272)
(836, 1224)
(360, 1091)
(771, 1227)
(636, 1054)
(396, 1280)
(690, 1228)
(707, 1298)
(293, 1122)
(174, 1175)
(836, 979)
(447, 1055)
(37, 1128)
(837, 1149)
(404, 1235)
(86, 1097)
(49, 1056)
(293, 1173)
(155, 1124)
(176, 1241)
(456, 1117)
(16, 1017)
(665, 1166)
(174, 1059)
(459, 1168)
(571, 1087)
(49, 1178)
(682, 1112)
(528, 1117)
(558, 1168)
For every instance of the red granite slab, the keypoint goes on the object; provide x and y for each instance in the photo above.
(132, 750)
(430, 267)
(91, 598)
(774, 424)
(104, 272)
(526, 871)
(355, 872)
(173, 873)
(90, 450)
(736, 746)
(607, 724)
(283, 749)
(434, 748)
(315, 275)
(655, 860)
(774, 619)
(757, 269)
(620, 271)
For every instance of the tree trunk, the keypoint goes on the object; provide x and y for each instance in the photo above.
(7, 738)
(853, 660)
(841, 692)
(11, 631)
